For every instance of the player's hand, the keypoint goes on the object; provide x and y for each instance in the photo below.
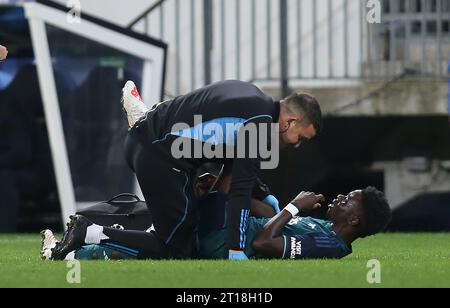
(3, 52)
(236, 255)
(308, 201)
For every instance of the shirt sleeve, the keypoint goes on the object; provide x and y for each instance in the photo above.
(311, 246)
(244, 174)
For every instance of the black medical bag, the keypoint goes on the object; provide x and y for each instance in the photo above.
(125, 211)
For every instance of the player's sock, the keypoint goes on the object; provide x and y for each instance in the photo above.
(105, 251)
(95, 235)
(70, 256)
(139, 244)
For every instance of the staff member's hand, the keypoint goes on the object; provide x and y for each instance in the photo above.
(3, 52)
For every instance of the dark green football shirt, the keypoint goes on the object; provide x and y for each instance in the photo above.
(304, 238)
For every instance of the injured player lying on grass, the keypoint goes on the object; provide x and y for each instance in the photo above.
(291, 234)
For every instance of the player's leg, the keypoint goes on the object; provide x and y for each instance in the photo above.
(139, 244)
(168, 191)
(82, 232)
(92, 242)
(100, 252)
(90, 252)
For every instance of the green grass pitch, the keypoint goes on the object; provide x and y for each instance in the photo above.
(415, 260)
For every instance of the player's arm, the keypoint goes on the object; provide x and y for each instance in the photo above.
(3, 52)
(270, 241)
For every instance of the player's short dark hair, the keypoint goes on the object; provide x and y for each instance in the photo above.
(377, 213)
(309, 105)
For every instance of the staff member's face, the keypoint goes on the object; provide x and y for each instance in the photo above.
(293, 132)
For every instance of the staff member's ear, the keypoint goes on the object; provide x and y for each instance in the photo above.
(3, 52)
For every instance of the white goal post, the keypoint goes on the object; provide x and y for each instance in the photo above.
(151, 52)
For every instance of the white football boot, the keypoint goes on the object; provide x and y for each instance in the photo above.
(132, 104)
(48, 242)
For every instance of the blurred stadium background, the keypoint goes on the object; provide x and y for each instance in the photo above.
(384, 89)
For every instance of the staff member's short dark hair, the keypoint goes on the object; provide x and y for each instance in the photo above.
(309, 105)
